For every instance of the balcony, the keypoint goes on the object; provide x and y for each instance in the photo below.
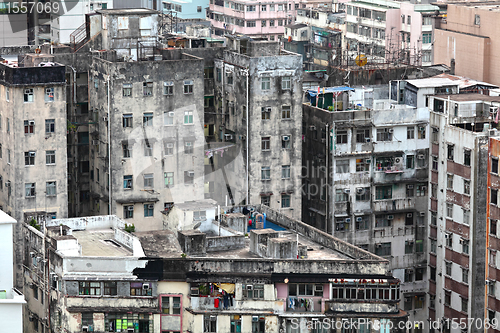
(348, 306)
(208, 303)
(305, 304)
(394, 205)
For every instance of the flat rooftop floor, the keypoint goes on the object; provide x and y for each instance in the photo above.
(97, 243)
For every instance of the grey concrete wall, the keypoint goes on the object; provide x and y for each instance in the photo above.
(225, 243)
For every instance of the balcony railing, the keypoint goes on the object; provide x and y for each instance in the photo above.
(392, 205)
(304, 304)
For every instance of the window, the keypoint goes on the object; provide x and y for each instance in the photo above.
(88, 318)
(127, 120)
(169, 148)
(362, 165)
(126, 150)
(250, 8)
(435, 163)
(29, 158)
(127, 182)
(491, 287)
(266, 83)
(253, 291)
(49, 94)
(383, 192)
(449, 210)
(265, 173)
(450, 152)
(285, 171)
(148, 180)
(466, 186)
(384, 134)
(449, 182)
(7, 98)
(286, 111)
(494, 197)
(50, 125)
(219, 74)
(448, 239)
(169, 179)
(235, 323)
(410, 132)
(447, 297)
(229, 78)
(493, 227)
(8, 125)
(209, 322)
(465, 303)
(494, 165)
(410, 161)
(265, 200)
(188, 117)
(147, 119)
(448, 268)
(341, 136)
(266, 143)
(149, 210)
(285, 201)
(342, 166)
(168, 88)
(286, 142)
(341, 195)
(477, 19)
(363, 135)
(433, 246)
(188, 177)
(147, 88)
(286, 81)
(362, 194)
(89, 288)
(493, 258)
(421, 132)
(29, 126)
(258, 324)
(128, 211)
(50, 188)
(433, 218)
(127, 90)
(140, 289)
(198, 9)
(421, 190)
(110, 288)
(250, 24)
(383, 249)
(467, 153)
(263, 23)
(466, 216)
(148, 148)
(188, 86)
(427, 38)
(28, 95)
(465, 246)
(168, 118)
(266, 113)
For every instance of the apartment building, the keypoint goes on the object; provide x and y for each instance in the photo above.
(33, 150)
(264, 19)
(11, 300)
(389, 31)
(366, 183)
(78, 276)
(465, 39)
(189, 10)
(234, 283)
(459, 206)
(258, 89)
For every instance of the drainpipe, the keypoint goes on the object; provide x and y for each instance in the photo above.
(332, 216)
(327, 185)
(247, 200)
(110, 196)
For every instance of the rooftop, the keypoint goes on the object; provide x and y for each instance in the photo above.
(99, 243)
(197, 205)
(127, 11)
(464, 82)
(469, 97)
(432, 82)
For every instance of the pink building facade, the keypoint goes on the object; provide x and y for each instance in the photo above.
(265, 19)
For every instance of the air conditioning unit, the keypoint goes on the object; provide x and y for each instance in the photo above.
(346, 190)
(368, 161)
(397, 159)
(31, 122)
(422, 213)
(130, 330)
(85, 328)
(424, 188)
(390, 130)
(359, 219)
(195, 291)
(421, 156)
(145, 286)
(151, 206)
(409, 215)
(368, 139)
(104, 118)
(249, 287)
(286, 138)
(32, 318)
(360, 190)
(446, 236)
(348, 220)
(312, 128)
(170, 145)
(308, 55)
(228, 137)
(32, 154)
(390, 217)
(410, 187)
(32, 254)
(95, 142)
(130, 207)
(171, 114)
(378, 245)
(461, 241)
(421, 128)
(191, 173)
(7, 184)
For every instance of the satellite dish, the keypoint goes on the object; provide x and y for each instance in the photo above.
(361, 60)
(197, 225)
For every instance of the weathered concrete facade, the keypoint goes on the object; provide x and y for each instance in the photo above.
(33, 151)
(258, 91)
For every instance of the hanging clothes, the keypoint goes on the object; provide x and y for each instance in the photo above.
(311, 303)
(216, 303)
(231, 299)
(226, 301)
(291, 302)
